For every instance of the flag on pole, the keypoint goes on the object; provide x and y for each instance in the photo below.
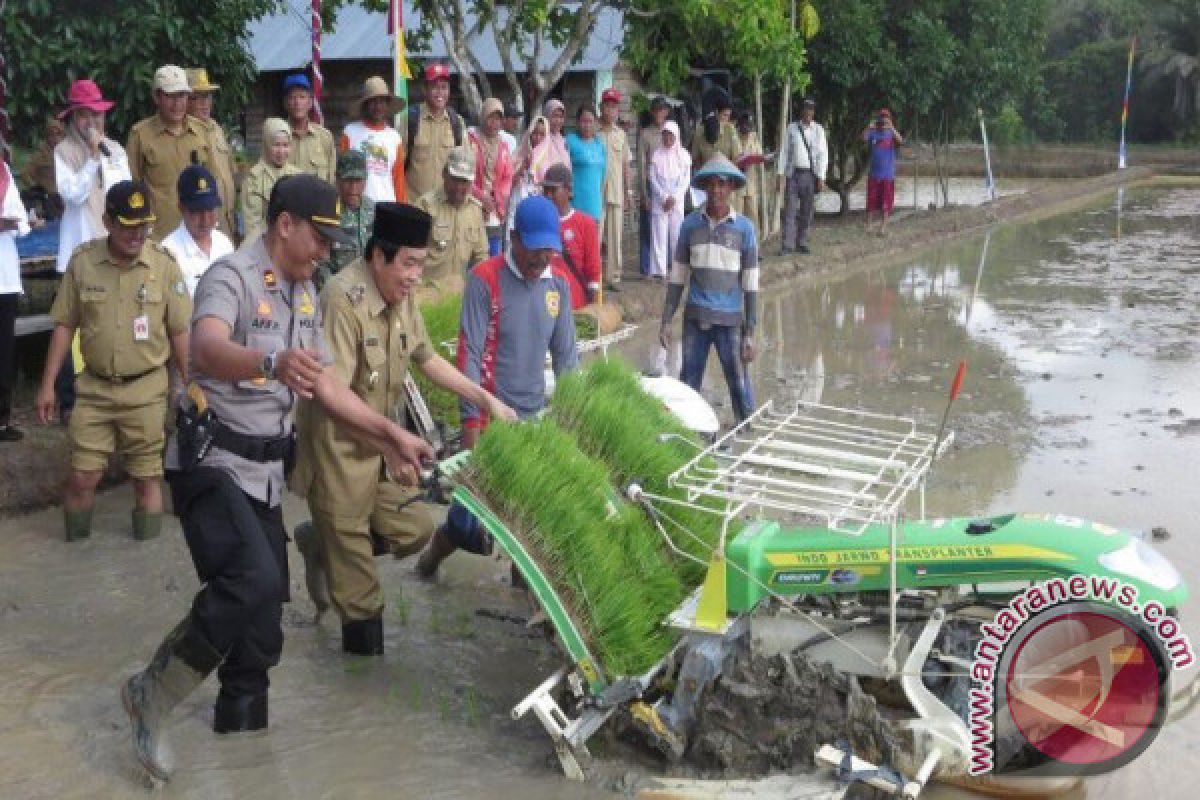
(401, 74)
(1125, 105)
(317, 80)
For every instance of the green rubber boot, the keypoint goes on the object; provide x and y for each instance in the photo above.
(146, 524)
(181, 663)
(77, 524)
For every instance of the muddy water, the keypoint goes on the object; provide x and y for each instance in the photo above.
(1082, 398)
(1082, 394)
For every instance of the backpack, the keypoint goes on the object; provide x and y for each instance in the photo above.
(414, 127)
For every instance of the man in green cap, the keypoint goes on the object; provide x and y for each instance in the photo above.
(358, 212)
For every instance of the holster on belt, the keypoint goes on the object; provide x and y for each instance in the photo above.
(195, 427)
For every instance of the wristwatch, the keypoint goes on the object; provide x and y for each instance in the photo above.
(268, 365)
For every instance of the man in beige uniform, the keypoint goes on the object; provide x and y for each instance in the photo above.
(200, 103)
(159, 147)
(436, 130)
(459, 238)
(313, 150)
(373, 329)
(618, 184)
(129, 301)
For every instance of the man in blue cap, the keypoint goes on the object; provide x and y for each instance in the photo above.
(716, 259)
(516, 307)
(313, 150)
(197, 243)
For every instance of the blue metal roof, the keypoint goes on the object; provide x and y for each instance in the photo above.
(282, 41)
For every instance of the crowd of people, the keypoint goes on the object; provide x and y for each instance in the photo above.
(284, 362)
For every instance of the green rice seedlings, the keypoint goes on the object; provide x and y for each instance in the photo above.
(586, 327)
(600, 554)
(441, 323)
(619, 423)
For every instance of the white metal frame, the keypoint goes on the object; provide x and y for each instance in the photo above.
(845, 468)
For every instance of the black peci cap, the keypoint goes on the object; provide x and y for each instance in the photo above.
(128, 203)
(402, 225)
(308, 197)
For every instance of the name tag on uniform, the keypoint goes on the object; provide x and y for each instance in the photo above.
(141, 328)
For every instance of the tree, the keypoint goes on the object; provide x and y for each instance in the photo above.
(1172, 57)
(119, 44)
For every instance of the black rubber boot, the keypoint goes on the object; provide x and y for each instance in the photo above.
(363, 637)
(146, 524)
(239, 713)
(77, 524)
(182, 662)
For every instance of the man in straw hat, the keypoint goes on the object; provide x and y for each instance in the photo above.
(162, 145)
(200, 105)
(378, 141)
(375, 333)
(722, 305)
(129, 300)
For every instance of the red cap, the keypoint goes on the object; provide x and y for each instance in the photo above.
(437, 72)
(610, 95)
(85, 93)
(883, 112)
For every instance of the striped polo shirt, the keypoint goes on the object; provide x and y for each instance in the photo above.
(718, 262)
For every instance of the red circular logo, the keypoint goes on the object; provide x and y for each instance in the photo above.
(1084, 688)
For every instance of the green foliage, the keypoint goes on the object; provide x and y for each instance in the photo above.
(441, 323)
(119, 44)
(1007, 128)
(670, 37)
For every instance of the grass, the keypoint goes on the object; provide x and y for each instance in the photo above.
(441, 323)
(602, 556)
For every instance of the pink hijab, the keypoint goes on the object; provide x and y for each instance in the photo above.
(672, 162)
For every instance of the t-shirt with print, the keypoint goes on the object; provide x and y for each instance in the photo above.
(883, 153)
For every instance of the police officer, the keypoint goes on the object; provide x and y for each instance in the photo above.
(459, 238)
(160, 146)
(374, 330)
(358, 211)
(129, 301)
(257, 346)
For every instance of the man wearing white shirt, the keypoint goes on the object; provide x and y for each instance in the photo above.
(197, 243)
(803, 160)
(13, 223)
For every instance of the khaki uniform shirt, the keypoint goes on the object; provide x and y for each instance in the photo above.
(617, 157)
(265, 311)
(256, 193)
(371, 344)
(157, 156)
(754, 175)
(313, 152)
(428, 154)
(457, 241)
(125, 316)
(222, 170)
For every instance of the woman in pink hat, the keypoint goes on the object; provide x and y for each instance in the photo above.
(86, 164)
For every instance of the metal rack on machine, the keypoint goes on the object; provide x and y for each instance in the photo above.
(846, 469)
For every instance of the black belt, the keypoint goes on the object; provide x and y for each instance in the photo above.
(121, 378)
(263, 449)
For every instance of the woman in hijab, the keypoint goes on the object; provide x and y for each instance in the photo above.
(716, 134)
(256, 188)
(670, 174)
(86, 164)
(553, 149)
(530, 169)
